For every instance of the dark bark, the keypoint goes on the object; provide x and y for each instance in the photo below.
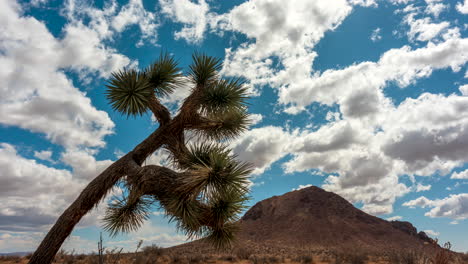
(91, 196)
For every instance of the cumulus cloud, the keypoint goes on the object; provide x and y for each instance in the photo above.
(403, 66)
(424, 29)
(262, 146)
(193, 16)
(256, 118)
(376, 36)
(287, 30)
(43, 155)
(134, 13)
(84, 164)
(432, 233)
(454, 206)
(37, 95)
(435, 7)
(110, 20)
(464, 89)
(428, 142)
(364, 161)
(394, 218)
(462, 7)
(421, 188)
(33, 195)
(300, 187)
(462, 175)
(28, 189)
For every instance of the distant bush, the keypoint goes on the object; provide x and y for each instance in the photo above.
(153, 250)
(243, 253)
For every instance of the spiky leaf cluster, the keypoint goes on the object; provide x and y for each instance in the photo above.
(129, 91)
(204, 69)
(164, 75)
(214, 194)
(224, 96)
(123, 215)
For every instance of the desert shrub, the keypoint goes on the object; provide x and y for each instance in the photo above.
(198, 258)
(176, 259)
(464, 257)
(408, 257)
(357, 258)
(339, 258)
(258, 259)
(230, 258)
(441, 257)
(243, 253)
(351, 257)
(273, 259)
(153, 250)
(306, 259)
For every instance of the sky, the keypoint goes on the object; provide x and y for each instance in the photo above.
(365, 98)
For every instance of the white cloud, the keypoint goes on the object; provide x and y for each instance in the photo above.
(395, 218)
(462, 175)
(464, 89)
(159, 213)
(435, 8)
(369, 157)
(419, 202)
(366, 3)
(287, 30)
(110, 20)
(257, 118)
(421, 188)
(462, 7)
(454, 206)
(403, 66)
(19, 241)
(432, 233)
(300, 187)
(28, 189)
(376, 36)
(134, 13)
(37, 95)
(83, 163)
(34, 195)
(423, 29)
(43, 155)
(400, 1)
(424, 139)
(261, 146)
(193, 16)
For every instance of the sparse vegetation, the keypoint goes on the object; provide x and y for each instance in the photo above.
(156, 255)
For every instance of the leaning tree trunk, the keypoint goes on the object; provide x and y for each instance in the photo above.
(169, 133)
(92, 195)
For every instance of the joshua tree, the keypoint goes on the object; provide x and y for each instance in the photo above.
(204, 189)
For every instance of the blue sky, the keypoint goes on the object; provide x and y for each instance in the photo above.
(365, 98)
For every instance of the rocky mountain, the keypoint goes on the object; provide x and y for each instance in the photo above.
(314, 218)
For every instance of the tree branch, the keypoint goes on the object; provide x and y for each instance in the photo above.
(163, 183)
(190, 105)
(161, 113)
(203, 123)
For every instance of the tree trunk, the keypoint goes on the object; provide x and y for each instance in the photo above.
(96, 190)
(89, 197)
(92, 195)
